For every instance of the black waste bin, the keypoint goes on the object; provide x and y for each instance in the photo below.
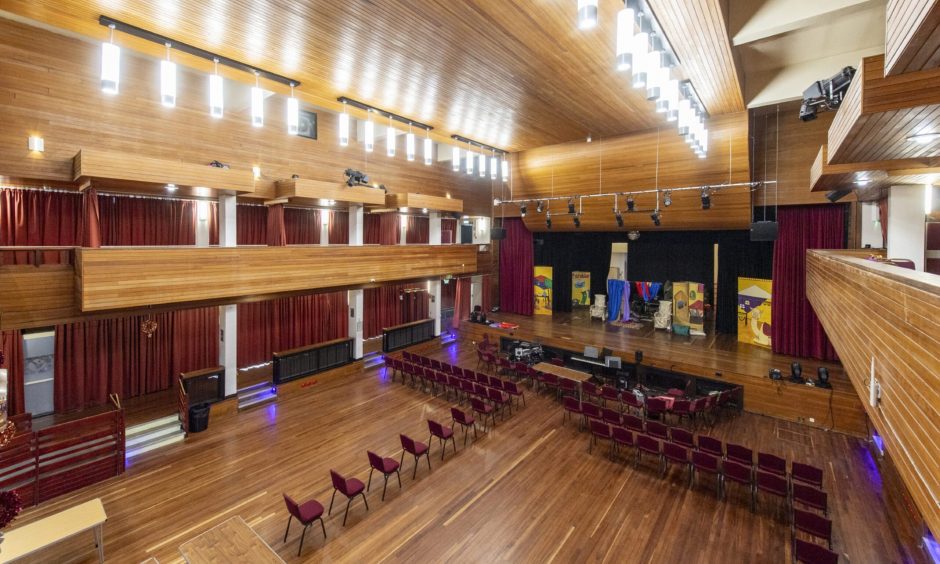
(198, 417)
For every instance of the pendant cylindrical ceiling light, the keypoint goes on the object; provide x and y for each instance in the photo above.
(625, 21)
(168, 80)
(257, 104)
(344, 127)
(685, 116)
(410, 146)
(110, 65)
(369, 127)
(216, 95)
(482, 163)
(669, 98)
(455, 159)
(390, 139)
(640, 50)
(494, 167)
(505, 170)
(654, 74)
(428, 148)
(587, 14)
(470, 158)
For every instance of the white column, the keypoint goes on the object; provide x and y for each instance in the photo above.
(228, 314)
(434, 307)
(434, 228)
(202, 223)
(403, 226)
(324, 227)
(476, 291)
(356, 222)
(355, 321)
(458, 236)
(906, 224)
(227, 231)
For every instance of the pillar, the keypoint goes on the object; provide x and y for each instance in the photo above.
(403, 227)
(355, 297)
(324, 227)
(434, 228)
(434, 307)
(356, 223)
(202, 223)
(228, 314)
(476, 291)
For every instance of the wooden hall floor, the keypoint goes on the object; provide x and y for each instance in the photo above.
(526, 492)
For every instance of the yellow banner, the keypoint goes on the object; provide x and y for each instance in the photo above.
(543, 290)
(581, 288)
(754, 299)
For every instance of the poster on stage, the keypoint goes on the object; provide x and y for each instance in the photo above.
(543, 290)
(680, 308)
(696, 309)
(580, 288)
(754, 299)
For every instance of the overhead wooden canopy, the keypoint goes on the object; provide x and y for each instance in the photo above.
(312, 192)
(913, 36)
(423, 201)
(872, 178)
(514, 75)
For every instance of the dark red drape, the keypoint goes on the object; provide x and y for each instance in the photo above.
(265, 328)
(134, 221)
(448, 294)
(381, 229)
(388, 306)
(339, 227)
(487, 300)
(796, 329)
(516, 268)
(448, 224)
(35, 218)
(302, 226)
(419, 230)
(213, 220)
(99, 357)
(461, 302)
(251, 225)
(91, 219)
(883, 220)
(11, 345)
(276, 232)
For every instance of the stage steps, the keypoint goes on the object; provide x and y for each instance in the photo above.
(372, 359)
(152, 435)
(256, 395)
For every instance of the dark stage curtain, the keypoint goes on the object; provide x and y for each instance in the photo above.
(419, 230)
(11, 345)
(265, 328)
(738, 257)
(448, 224)
(91, 219)
(381, 229)
(99, 357)
(516, 269)
(796, 329)
(388, 306)
(276, 233)
(251, 225)
(133, 221)
(35, 218)
(448, 294)
(339, 227)
(302, 226)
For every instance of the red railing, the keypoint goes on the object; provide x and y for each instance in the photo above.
(50, 462)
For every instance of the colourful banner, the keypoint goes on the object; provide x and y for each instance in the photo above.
(543, 290)
(581, 288)
(696, 309)
(754, 298)
(680, 308)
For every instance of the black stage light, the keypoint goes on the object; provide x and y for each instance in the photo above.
(538, 206)
(548, 222)
(796, 373)
(619, 217)
(522, 210)
(775, 374)
(667, 199)
(822, 377)
(631, 205)
(570, 205)
(655, 217)
(577, 220)
(706, 199)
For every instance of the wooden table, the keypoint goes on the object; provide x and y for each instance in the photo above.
(50, 530)
(230, 541)
(564, 372)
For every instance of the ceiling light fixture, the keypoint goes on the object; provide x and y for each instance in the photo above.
(216, 94)
(390, 139)
(924, 138)
(505, 171)
(369, 128)
(706, 199)
(470, 158)
(428, 148)
(168, 80)
(256, 172)
(36, 143)
(170, 187)
(625, 22)
(343, 127)
(667, 198)
(587, 14)
(640, 52)
(570, 205)
(482, 162)
(577, 221)
(110, 65)
(494, 166)
(410, 145)
(539, 207)
(293, 117)
(455, 158)
(655, 216)
(257, 104)
(522, 210)
(631, 204)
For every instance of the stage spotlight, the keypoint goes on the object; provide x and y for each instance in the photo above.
(796, 373)
(619, 218)
(667, 199)
(548, 221)
(570, 205)
(577, 220)
(822, 377)
(538, 206)
(522, 210)
(655, 217)
(631, 204)
(706, 199)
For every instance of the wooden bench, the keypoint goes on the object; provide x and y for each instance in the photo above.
(35, 536)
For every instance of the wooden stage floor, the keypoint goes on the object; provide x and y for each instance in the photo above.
(528, 491)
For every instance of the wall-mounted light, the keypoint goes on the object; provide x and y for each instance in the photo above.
(257, 104)
(36, 143)
(619, 217)
(216, 94)
(706, 199)
(110, 65)
(522, 210)
(631, 204)
(548, 220)
(538, 206)
(587, 14)
(570, 205)
(344, 127)
(170, 188)
(667, 198)
(256, 172)
(168, 80)
(577, 221)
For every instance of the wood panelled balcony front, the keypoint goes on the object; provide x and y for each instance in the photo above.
(102, 282)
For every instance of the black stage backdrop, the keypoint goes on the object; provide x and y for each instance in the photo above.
(658, 256)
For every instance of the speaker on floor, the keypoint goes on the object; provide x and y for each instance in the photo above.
(764, 231)
(639, 357)
(498, 233)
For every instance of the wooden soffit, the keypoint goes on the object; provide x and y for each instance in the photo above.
(422, 201)
(311, 192)
(912, 41)
(870, 179)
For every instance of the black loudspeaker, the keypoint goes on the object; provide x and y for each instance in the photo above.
(639, 357)
(822, 380)
(764, 231)
(498, 233)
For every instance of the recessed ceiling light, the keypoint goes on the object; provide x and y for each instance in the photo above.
(170, 187)
(862, 182)
(924, 138)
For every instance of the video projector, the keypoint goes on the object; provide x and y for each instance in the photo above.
(826, 94)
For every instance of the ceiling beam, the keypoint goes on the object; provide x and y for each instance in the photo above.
(755, 21)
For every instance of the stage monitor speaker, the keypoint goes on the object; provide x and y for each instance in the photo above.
(498, 233)
(836, 195)
(639, 357)
(764, 231)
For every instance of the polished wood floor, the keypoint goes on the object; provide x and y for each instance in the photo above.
(527, 491)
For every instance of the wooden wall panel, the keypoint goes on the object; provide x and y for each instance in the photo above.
(912, 41)
(36, 296)
(876, 311)
(629, 162)
(49, 86)
(120, 278)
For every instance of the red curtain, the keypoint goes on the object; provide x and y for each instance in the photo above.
(487, 301)
(796, 330)
(265, 328)
(448, 224)
(381, 229)
(11, 347)
(302, 226)
(419, 230)
(516, 268)
(99, 357)
(276, 232)
(883, 220)
(34, 218)
(134, 221)
(251, 225)
(448, 294)
(339, 228)
(461, 302)
(91, 219)
(388, 306)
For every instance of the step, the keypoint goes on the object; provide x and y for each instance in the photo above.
(154, 445)
(144, 427)
(156, 434)
(372, 359)
(255, 401)
(256, 395)
(254, 388)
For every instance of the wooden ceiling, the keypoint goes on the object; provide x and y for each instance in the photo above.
(515, 75)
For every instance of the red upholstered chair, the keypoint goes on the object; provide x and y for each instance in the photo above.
(807, 474)
(306, 512)
(443, 435)
(567, 387)
(710, 446)
(466, 386)
(611, 416)
(435, 364)
(739, 473)
(482, 378)
(489, 361)
(648, 445)
(812, 553)
(812, 524)
(675, 454)
(465, 420)
(772, 484)
(454, 383)
(501, 401)
(349, 487)
(416, 449)
(591, 411)
(810, 497)
(468, 374)
(557, 361)
(495, 382)
(704, 462)
(600, 431)
(622, 437)
(739, 454)
(655, 408)
(503, 365)
(675, 392)
(406, 355)
(611, 397)
(513, 390)
(630, 402)
(633, 423)
(572, 406)
(481, 391)
(657, 430)
(484, 410)
(772, 464)
(520, 369)
(550, 382)
(387, 466)
(681, 437)
(590, 391)
(682, 408)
